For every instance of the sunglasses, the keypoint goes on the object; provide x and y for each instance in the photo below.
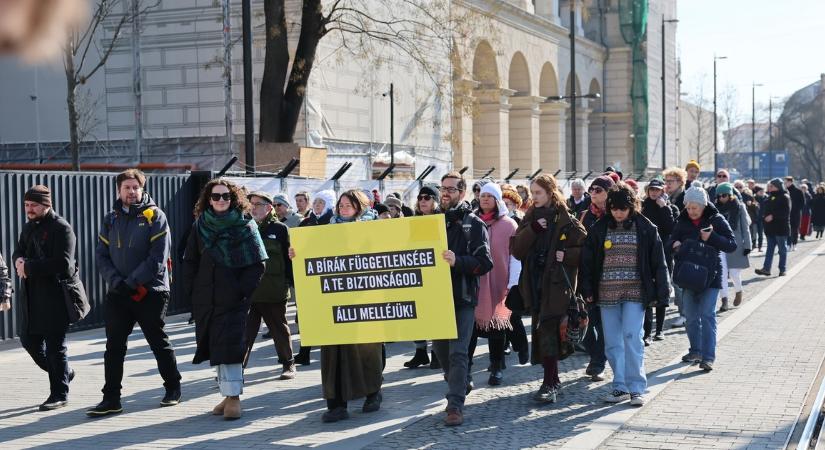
(596, 190)
(425, 197)
(721, 175)
(226, 196)
(724, 195)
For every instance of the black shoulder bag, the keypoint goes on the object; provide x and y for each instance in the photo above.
(74, 293)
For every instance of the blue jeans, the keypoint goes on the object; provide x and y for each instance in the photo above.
(773, 242)
(453, 356)
(700, 312)
(230, 379)
(623, 345)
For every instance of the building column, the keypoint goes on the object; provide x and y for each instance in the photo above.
(582, 139)
(491, 130)
(549, 9)
(462, 132)
(524, 133)
(552, 154)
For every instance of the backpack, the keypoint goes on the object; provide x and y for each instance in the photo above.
(695, 267)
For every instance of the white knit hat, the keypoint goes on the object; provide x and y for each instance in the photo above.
(328, 197)
(495, 190)
(696, 194)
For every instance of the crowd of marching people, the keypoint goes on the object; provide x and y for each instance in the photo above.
(595, 272)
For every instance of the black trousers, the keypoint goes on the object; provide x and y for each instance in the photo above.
(495, 339)
(594, 339)
(48, 351)
(795, 219)
(661, 312)
(121, 315)
(518, 335)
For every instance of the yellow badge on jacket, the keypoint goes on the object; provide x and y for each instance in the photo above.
(563, 237)
(149, 214)
(608, 245)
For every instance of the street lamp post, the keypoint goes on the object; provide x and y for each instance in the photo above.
(664, 111)
(249, 114)
(715, 137)
(573, 99)
(753, 128)
(572, 80)
(391, 94)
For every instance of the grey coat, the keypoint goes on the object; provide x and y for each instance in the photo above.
(5, 281)
(742, 235)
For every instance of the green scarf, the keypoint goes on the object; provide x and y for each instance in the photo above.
(232, 239)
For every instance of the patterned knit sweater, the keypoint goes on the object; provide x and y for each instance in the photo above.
(620, 274)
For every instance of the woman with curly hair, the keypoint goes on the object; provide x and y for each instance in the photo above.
(624, 271)
(548, 243)
(350, 371)
(222, 266)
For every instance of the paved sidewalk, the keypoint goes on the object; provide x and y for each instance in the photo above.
(286, 414)
(752, 398)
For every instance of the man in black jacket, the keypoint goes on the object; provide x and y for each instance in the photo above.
(776, 212)
(469, 258)
(133, 257)
(797, 203)
(44, 253)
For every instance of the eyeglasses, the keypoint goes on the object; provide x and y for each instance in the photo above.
(721, 175)
(671, 180)
(258, 204)
(226, 196)
(595, 190)
(450, 189)
(476, 190)
(425, 197)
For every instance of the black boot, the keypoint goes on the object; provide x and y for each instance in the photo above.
(303, 356)
(434, 363)
(496, 375)
(419, 359)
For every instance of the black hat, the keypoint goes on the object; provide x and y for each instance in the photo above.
(656, 183)
(429, 190)
(39, 194)
(380, 208)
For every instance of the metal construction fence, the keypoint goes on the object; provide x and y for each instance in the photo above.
(83, 199)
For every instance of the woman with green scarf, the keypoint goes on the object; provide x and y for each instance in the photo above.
(222, 266)
(354, 370)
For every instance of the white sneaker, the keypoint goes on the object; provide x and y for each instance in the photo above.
(616, 397)
(679, 322)
(637, 399)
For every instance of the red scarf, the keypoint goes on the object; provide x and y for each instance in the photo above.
(488, 217)
(596, 211)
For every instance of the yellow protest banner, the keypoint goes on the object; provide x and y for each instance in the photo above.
(377, 281)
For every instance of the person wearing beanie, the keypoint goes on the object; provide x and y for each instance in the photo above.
(614, 176)
(776, 215)
(382, 210)
(594, 340)
(659, 211)
(513, 201)
(45, 251)
(394, 207)
(624, 271)
(722, 176)
(633, 185)
(692, 169)
(426, 204)
(323, 204)
(492, 317)
(736, 214)
(284, 211)
(138, 275)
(700, 222)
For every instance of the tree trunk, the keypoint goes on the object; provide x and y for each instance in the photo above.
(71, 104)
(276, 62)
(312, 30)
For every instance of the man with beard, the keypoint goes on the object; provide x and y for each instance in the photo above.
(45, 253)
(469, 257)
(133, 257)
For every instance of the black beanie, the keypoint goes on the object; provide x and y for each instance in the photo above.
(39, 194)
(429, 190)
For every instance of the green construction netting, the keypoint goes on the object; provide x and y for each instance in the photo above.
(633, 25)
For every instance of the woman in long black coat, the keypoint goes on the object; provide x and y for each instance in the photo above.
(223, 264)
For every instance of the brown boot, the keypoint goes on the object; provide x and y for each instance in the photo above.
(218, 409)
(288, 372)
(232, 408)
(737, 300)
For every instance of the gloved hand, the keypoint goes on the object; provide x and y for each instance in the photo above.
(746, 251)
(123, 289)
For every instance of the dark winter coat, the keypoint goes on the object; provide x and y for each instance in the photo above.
(312, 219)
(678, 200)
(650, 258)
(134, 246)
(220, 298)
(818, 210)
(806, 210)
(797, 200)
(721, 238)
(575, 209)
(49, 247)
(737, 216)
(472, 259)
(5, 281)
(551, 302)
(777, 205)
(277, 279)
(664, 217)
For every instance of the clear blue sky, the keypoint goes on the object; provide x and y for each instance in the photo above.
(778, 43)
